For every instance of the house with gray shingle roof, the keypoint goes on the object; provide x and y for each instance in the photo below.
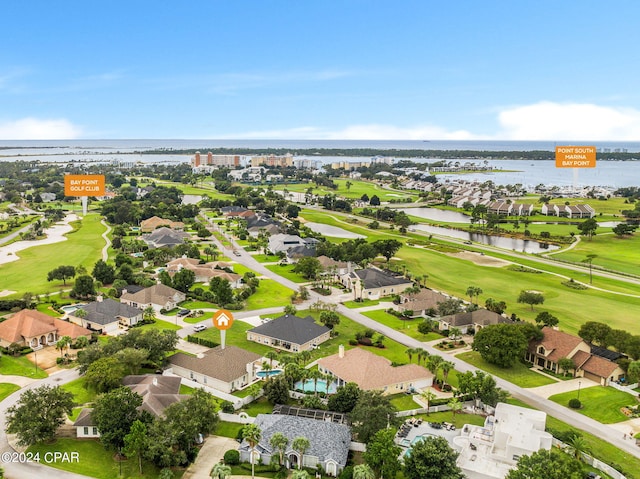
(165, 237)
(158, 296)
(374, 283)
(106, 315)
(226, 370)
(290, 333)
(329, 442)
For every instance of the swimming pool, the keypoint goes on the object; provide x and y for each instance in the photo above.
(70, 308)
(310, 385)
(271, 372)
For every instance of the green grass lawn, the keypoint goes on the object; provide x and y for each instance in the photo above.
(6, 389)
(361, 304)
(237, 336)
(75, 413)
(612, 252)
(186, 389)
(261, 406)
(228, 429)
(83, 246)
(94, 460)
(519, 374)
(160, 324)
(503, 284)
(286, 272)
(598, 448)
(47, 309)
(270, 293)
(406, 326)
(20, 366)
(404, 402)
(266, 258)
(198, 319)
(600, 403)
(81, 394)
(198, 305)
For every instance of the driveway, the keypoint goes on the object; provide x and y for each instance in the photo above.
(211, 453)
(563, 387)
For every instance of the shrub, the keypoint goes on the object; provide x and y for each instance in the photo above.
(353, 342)
(575, 403)
(347, 473)
(365, 341)
(227, 407)
(232, 457)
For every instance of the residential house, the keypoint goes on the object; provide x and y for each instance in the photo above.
(155, 222)
(35, 329)
(475, 320)
(374, 373)
(296, 253)
(569, 211)
(226, 370)
(334, 269)
(284, 242)
(204, 272)
(419, 303)
(85, 425)
(329, 442)
(106, 316)
(47, 197)
(492, 450)
(374, 283)
(158, 392)
(290, 333)
(158, 296)
(556, 345)
(164, 237)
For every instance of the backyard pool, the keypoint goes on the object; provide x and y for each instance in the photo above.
(321, 385)
(265, 374)
(70, 308)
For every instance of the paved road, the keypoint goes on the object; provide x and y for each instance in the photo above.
(32, 470)
(573, 418)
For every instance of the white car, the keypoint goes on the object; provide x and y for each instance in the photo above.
(199, 327)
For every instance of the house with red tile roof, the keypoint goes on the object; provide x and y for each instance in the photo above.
(150, 224)
(556, 345)
(35, 329)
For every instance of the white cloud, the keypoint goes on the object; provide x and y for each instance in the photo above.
(569, 121)
(38, 129)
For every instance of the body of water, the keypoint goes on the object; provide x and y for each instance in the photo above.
(613, 174)
(435, 214)
(514, 244)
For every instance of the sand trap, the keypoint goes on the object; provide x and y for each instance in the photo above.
(480, 259)
(55, 234)
(7, 292)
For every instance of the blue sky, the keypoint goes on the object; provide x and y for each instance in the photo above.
(311, 69)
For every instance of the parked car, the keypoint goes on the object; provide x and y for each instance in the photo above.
(184, 312)
(199, 327)
(237, 253)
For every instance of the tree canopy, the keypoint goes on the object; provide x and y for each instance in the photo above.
(372, 412)
(38, 414)
(551, 464)
(432, 458)
(500, 344)
(530, 298)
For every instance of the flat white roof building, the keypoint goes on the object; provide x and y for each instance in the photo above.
(489, 452)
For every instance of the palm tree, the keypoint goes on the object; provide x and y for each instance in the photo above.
(433, 364)
(149, 314)
(455, 333)
(363, 471)
(315, 374)
(82, 342)
(300, 474)
(252, 434)
(305, 356)
(428, 395)
(410, 352)
(209, 251)
(446, 366)
(271, 355)
(300, 444)
(62, 343)
(220, 471)
(578, 445)
(422, 354)
(279, 442)
(455, 405)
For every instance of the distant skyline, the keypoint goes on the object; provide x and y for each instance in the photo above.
(320, 69)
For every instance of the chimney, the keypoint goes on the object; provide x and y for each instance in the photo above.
(341, 351)
(155, 381)
(99, 298)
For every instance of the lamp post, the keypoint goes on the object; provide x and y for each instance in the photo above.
(579, 390)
